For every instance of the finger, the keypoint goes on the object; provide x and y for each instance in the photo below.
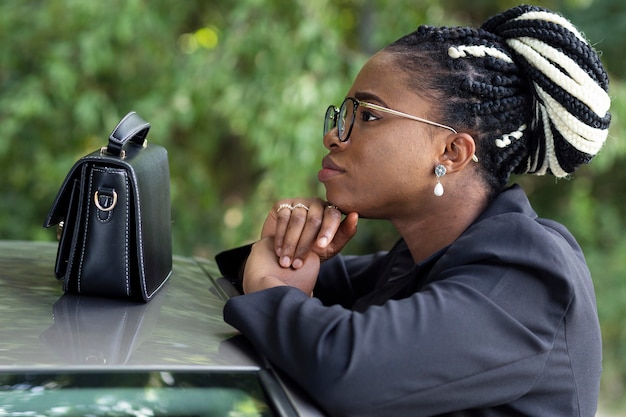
(292, 234)
(347, 230)
(283, 216)
(330, 225)
(309, 233)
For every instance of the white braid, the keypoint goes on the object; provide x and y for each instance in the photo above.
(479, 51)
(554, 18)
(550, 160)
(579, 84)
(568, 126)
(583, 137)
(508, 138)
(574, 81)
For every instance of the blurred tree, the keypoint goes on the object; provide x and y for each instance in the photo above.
(236, 92)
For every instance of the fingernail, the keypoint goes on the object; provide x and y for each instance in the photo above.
(297, 263)
(322, 242)
(285, 261)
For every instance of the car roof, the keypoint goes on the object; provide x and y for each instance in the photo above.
(43, 330)
(182, 326)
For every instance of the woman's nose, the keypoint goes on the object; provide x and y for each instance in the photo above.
(331, 139)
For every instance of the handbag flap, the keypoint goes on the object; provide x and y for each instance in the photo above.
(60, 206)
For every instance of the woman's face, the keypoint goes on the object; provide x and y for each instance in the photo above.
(386, 167)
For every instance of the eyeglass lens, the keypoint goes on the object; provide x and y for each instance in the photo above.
(342, 118)
(330, 119)
(341, 123)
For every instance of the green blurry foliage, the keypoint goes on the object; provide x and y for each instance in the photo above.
(236, 92)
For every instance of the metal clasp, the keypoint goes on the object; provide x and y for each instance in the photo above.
(96, 201)
(60, 227)
(103, 150)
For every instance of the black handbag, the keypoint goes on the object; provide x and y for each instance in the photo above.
(114, 216)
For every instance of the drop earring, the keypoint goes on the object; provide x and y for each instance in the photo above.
(440, 171)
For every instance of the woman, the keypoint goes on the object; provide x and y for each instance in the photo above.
(481, 308)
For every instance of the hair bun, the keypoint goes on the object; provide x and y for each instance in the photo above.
(569, 83)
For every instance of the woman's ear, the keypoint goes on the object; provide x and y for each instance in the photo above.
(460, 150)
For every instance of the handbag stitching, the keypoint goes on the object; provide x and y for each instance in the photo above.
(126, 238)
(109, 215)
(126, 232)
(140, 244)
(71, 257)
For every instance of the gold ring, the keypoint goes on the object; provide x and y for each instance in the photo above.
(332, 206)
(300, 205)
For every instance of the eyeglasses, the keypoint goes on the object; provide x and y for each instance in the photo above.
(343, 117)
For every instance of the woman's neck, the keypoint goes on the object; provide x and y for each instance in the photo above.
(446, 221)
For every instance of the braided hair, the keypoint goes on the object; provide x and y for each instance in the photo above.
(527, 86)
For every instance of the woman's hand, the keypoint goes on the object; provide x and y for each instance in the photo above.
(262, 270)
(301, 226)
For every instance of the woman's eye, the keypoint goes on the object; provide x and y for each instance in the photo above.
(368, 116)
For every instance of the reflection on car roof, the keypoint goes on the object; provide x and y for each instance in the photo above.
(181, 327)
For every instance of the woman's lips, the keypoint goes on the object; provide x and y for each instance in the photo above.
(329, 170)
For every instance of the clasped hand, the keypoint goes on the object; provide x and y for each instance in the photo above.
(297, 235)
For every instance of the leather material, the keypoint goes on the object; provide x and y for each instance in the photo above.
(131, 128)
(116, 214)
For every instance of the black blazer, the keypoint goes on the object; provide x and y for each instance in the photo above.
(502, 322)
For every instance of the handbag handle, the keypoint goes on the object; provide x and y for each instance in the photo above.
(131, 128)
